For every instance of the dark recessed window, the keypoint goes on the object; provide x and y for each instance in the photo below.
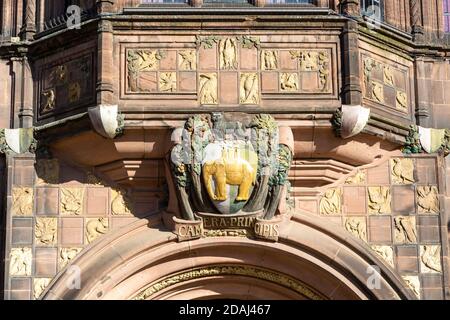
(373, 9)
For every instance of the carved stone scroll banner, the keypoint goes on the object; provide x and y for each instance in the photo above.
(188, 230)
(268, 229)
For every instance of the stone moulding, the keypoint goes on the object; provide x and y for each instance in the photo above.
(350, 120)
(106, 120)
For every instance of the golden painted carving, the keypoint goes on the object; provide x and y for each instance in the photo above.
(402, 171)
(379, 200)
(430, 259)
(401, 101)
(427, 199)
(72, 201)
(143, 60)
(249, 88)
(168, 81)
(22, 201)
(413, 282)
(66, 255)
(120, 204)
(47, 171)
(308, 60)
(74, 92)
(39, 285)
(388, 76)
(217, 271)
(358, 178)
(45, 231)
(324, 71)
(228, 53)
(20, 262)
(357, 227)
(331, 202)
(289, 81)
(187, 60)
(50, 100)
(230, 170)
(385, 252)
(377, 92)
(61, 73)
(405, 230)
(208, 88)
(96, 227)
(269, 59)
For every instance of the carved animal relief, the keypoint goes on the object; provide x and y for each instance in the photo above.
(388, 76)
(379, 200)
(430, 259)
(405, 230)
(20, 262)
(269, 59)
(377, 92)
(414, 283)
(95, 228)
(72, 201)
(187, 60)
(66, 255)
(46, 231)
(385, 252)
(228, 52)
(39, 285)
(401, 101)
(22, 202)
(121, 203)
(357, 227)
(48, 100)
(249, 88)
(402, 171)
(168, 81)
(359, 178)
(331, 202)
(289, 81)
(208, 88)
(427, 199)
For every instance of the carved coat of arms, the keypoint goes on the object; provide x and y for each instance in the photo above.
(229, 171)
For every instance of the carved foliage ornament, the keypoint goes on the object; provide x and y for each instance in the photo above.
(46, 231)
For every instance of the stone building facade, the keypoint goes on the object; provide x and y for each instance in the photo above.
(349, 100)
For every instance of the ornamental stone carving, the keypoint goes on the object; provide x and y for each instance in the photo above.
(358, 178)
(430, 259)
(402, 171)
(22, 201)
(228, 53)
(187, 60)
(405, 230)
(331, 202)
(379, 200)
(139, 61)
(357, 227)
(385, 252)
(269, 60)
(168, 81)
(121, 203)
(289, 82)
(48, 100)
(20, 262)
(388, 76)
(377, 92)
(208, 88)
(401, 101)
(72, 201)
(45, 231)
(427, 199)
(249, 88)
(413, 283)
(39, 285)
(74, 92)
(47, 171)
(66, 255)
(96, 227)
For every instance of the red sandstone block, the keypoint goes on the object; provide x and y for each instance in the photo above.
(228, 88)
(47, 201)
(378, 175)
(97, 201)
(354, 200)
(403, 199)
(46, 262)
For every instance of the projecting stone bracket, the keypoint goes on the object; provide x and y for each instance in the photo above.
(106, 120)
(17, 141)
(350, 120)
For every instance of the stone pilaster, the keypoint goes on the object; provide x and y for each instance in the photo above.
(351, 90)
(424, 99)
(104, 87)
(29, 24)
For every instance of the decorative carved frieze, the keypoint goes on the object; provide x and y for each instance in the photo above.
(45, 231)
(187, 60)
(385, 252)
(66, 255)
(289, 82)
(249, 88)
(427, 199)
(72, 201)
(357, 227)
(379, 200)
(402, 171)
(331, 202)
(358, 178)
(95, 227)
(22, 201)
(168, 81)
(20, 262)
(405, 231)
(228, 54)
(208, 88)
(39, 285)
(269, 59)
(121, 203)
(430, 259)
(413, 283)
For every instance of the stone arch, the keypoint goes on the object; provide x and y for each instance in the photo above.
(311, 261)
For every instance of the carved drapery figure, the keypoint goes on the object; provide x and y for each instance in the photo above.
(228, 53)
(269, 59)
(331, 202)
(405, 230)
(379, 200)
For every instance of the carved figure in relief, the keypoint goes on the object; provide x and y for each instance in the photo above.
(20, 263)
(39, 285)
(431, 258)
(377, 92)
(357, 227)
(269, 60)
(228, 53)
(309, 61)
(208, 88)
(359, 178)
(22, 201)
(379, 200)
(427, 199)
(289, 81)
(168, 81)
(148, 59)
(385, 252)
(50, 100)
(249, 88)
(66, 255)
(45, 230)
(72, 200)
(231, 170)
(405, 230)
(402, 171)
(74, 92)
(61, 73)
(388, 76)
(414, 283)
(331, 202)
(121, 203)
(187, 60)
(401, 100)
(95, 228)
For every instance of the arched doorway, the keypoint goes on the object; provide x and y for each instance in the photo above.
(311, 261)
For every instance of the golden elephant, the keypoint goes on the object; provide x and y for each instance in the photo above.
(229, 170)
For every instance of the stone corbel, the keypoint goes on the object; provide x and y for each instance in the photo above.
(350, 120)
(106, 120)
(17, 141)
